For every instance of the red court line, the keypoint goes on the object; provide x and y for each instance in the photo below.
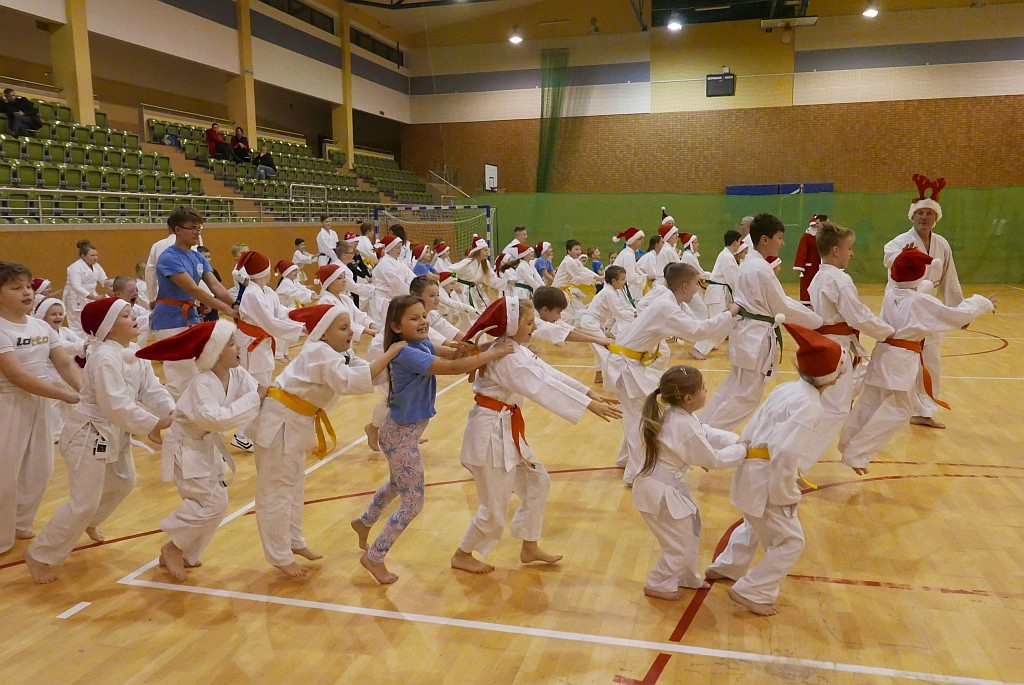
(1011, 467)
(1004, 341)
(93, 544)
(661, 661)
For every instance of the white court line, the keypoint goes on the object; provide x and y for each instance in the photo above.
(243, 510)
(793, 373)
(673, 647)
(74, 610)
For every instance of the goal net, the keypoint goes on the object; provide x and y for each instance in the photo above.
(455, 224)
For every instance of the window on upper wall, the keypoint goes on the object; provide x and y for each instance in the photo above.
(304, 12)
(378, 47)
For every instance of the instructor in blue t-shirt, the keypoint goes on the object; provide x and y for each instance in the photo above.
(179, 270)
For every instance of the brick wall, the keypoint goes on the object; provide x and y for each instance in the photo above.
(861, 147)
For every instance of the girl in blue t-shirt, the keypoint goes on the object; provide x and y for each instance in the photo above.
(411, 403)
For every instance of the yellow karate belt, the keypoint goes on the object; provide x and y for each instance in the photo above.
(645, 358)
(762, 453)
(301, 406)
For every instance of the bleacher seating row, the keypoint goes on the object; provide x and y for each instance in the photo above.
(33, 207)
(60, 152)
(18, 174)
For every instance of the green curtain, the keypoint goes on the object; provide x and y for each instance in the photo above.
(553, 75)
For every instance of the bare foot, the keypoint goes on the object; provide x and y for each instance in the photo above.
(759, 609)
(95, 534)
(661, 594)
(695, 354)
(372, 438)
(24, 534)
(172, 559)
(190, 564)
(423, 440)
(362, 530)
(531, 552)
(378, 570)
(860, 471)
(927, 421)
(465, 561)
(712, 574)
(41, 573)
(307, 553)
(294, 570)
(598, 378)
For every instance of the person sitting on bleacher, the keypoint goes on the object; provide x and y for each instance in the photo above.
(22, 115)
(218, 147)
(264, 164)
(240, 145)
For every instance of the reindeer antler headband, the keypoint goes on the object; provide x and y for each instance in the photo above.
(923, 201)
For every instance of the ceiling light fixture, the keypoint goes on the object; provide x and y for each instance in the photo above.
(515, 37)
(871, 12)
(674, 24)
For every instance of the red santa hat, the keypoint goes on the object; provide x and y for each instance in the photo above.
(666, 218)
(476, 244)
(505, 261)
(500, 318)
(251, 264)
(203, 342)
(687, 239)
(541, 248)
(352, 237)
(817, 356)
(418, 249)
(929, 202)
(446, 278)
(39, 284)
(742, 247)
(521, 250)
(629, 235)
(329, 273)
(774, 262)
(666, 231)
(284, 267)
(387, 243)
(98, 316)
(317, 318)
(910, 266)
(441, 249)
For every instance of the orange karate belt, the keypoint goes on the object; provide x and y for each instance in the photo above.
(918, 346)
(762, 453)
(185, 306)
(518, 422)
(321, 421)
(257, 334)
(841, 328)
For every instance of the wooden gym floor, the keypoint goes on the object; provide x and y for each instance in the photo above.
(911, 573)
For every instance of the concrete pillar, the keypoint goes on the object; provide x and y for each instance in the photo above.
(72, 65)
(241, 87)
(341, 115)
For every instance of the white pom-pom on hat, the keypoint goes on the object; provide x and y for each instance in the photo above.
(936, 264)
(780, 319)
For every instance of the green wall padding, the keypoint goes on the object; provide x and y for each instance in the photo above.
(984, 226)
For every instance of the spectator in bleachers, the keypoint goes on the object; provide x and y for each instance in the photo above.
(218, 147)
(240, 145)
(264, 164)
(22, 115)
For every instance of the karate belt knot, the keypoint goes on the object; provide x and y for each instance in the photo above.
(762, 453)
(257, 334)
(518, 422)
(645, 358)
(301, 406)
(185, 306)
(744, 314)
(918, 347)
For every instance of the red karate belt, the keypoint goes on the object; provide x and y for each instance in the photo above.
(918, 346)
(257, 334)
(185, 306)
(518, 422)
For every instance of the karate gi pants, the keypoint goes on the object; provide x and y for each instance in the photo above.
(876, 418)
(779, 531)
(494, 489)
(706, 345)
(26, 461)
(631, 452)
(280, 481)
(95, 489)
(204, 502)
(735, 400)
(679, 540)
(924, 405)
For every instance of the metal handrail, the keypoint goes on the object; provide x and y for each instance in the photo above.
(448, 183)
(281, 134)
(375, 152)
(192, 117)
(42, 88)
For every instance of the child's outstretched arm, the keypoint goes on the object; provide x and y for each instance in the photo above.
(456, 367)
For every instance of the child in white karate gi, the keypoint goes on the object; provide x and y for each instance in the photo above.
(611, 310)
(120, 396)
(494, 447)
(662, 314)
(898, 370)
(220, 397)
(27, 346)
(636, 279)
(334, 290)
(721, 285)
(754, 343)
(293, 418)
(570, 276)
(766, 485)
(290, 290)
(391, 277)
(51, 311)
(675, 442)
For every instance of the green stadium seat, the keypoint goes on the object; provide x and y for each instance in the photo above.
(75, 154)
(93, 178)
(47, 112)
(202, 153)
(246, 187)
(72, 177)
(149, 161)
(98, 136)
(110, 179)
(18, 203)
(163, 164)
(68, 204)
(77, 220)
(7, 172)
(101, 118)
(81, 134)
(50, 176)
(94, 156)
(114, 157)
(179, 184)
(115, 139)
(191, 149)
(131, 180)
(56, 152)
(90, 205)
(157, 130)
(164, 184)
(173, 129)
(110, 206)
(134, 205)
(28, 174)
(63, 131)
(132, 158)
(44, 132)
(195, 185)
(131, 140)
(10, 147)
(62, 113)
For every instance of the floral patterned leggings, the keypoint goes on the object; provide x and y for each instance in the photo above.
(400, 443)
